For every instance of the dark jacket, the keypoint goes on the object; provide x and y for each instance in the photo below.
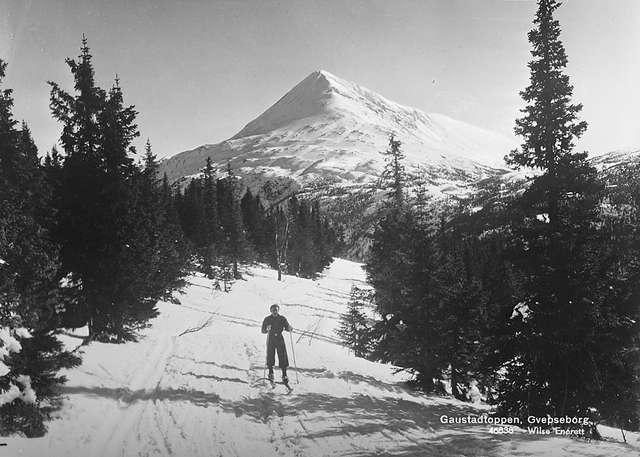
(278, 325)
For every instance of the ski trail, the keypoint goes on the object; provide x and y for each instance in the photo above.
(147, 379)
(138, 398)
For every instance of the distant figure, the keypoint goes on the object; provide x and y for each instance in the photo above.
(474, 393)
(274, 325)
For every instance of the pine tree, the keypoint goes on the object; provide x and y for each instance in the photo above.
(430, 293)
(81, 181)
(127, 216)
(109, 212)
(211, 222)
(462, 303)
(556, 351)
(28, 281)
(192, 213)
(254, 219)
(548, 126)
(616, 259)
(550, 122)
(399, 269)
(237, 247)
(354, 329)
(174, 249)
(152, 263)
(394, 177)
(117, 133)
(79, 115)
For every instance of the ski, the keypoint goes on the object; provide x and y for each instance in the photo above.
(286, 384)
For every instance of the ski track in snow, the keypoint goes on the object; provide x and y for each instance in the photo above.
(194, 386)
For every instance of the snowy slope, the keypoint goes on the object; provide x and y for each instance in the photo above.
(328, 127)
(610, 161)
(191, 394)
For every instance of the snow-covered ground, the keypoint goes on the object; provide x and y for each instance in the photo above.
(198, 393)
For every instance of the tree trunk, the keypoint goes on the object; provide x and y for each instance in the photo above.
(566, 382)
(236, 274)
(455, 391)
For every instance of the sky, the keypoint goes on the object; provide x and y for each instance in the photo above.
(199, 70)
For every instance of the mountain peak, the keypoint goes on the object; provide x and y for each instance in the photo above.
(323, 109)
(327, 76)
(308, 98)
(324, 94)
(314, 84)
(322, 75)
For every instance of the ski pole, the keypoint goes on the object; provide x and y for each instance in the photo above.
(266, 359)
(293, 353)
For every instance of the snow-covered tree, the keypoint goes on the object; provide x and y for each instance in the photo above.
(30, 354)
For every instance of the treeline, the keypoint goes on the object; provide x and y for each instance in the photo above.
(226, 223)
(534, 292)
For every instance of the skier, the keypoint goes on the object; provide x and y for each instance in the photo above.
(274, 325)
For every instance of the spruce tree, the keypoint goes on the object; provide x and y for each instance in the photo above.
(125, 226)
(254, 220)
(549, 125)
(616, 258)
(393, 271)
(354, 329)
(391, 266)
(81, 181)
(461, 301)
(192, 213)
(237, 247)
(118, 130)
(174, 250)
(110, 217)
(394, 176)
(155, 256)
(211, 222)
(554, 357)
(28, 282)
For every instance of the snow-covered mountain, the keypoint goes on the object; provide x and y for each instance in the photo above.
(608, 162)
(326, 127)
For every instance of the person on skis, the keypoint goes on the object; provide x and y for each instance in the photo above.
(274, 324)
